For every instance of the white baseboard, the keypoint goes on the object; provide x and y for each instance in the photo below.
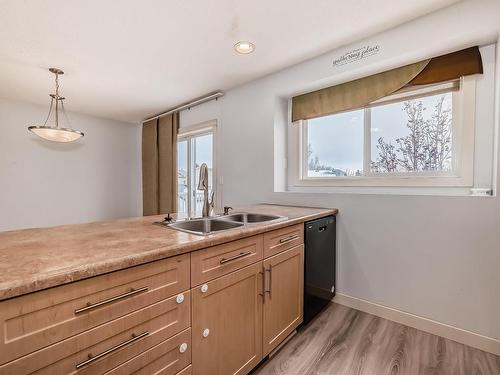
(488, 344)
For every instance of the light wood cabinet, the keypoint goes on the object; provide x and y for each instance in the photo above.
(227, 323)
(37, 320)
(215, 311)
(110, 344)
(284, 293)
(240, 318)
(187, 371)
(170, 357)
(216, 261)
(283, 239)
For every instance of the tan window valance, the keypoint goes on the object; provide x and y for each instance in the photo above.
(360, 92)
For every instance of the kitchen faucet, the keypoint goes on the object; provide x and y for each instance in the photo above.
(208, 206)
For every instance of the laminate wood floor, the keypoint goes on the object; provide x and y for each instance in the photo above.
(344, 341)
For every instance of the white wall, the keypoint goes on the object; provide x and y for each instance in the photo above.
(196, 115)
(433, 256)
(44, 183)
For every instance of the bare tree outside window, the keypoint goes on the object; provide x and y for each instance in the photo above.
(427, 146)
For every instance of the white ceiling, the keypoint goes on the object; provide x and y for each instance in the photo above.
(129, 59)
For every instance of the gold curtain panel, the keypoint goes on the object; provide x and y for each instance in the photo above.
(150, 168)
(167, 163)
(159, 165)
(360, 92)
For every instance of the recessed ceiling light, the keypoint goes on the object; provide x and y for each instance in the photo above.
(244, 47)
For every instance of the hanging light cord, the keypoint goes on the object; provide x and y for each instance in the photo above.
(56, 97)
(57, 100)
(63, 110)
(50, 110)
(57, 85)
(65, 114)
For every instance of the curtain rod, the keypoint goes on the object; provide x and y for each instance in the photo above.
(188, 105)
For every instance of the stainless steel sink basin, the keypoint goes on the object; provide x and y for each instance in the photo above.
(209, 225)
(204, 226)
(249, 218)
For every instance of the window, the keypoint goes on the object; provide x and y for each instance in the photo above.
(412, 138)
(335, 145)
(194, 148)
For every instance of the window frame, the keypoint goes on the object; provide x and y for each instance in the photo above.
(188, 134)
(464, 104)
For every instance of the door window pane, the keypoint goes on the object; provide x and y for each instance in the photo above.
(335, 145)
(202, 153)
(182, 177)
(192, 152)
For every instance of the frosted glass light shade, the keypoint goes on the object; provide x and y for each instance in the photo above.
(56, 134)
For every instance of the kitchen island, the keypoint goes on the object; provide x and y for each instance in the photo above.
(126, 294)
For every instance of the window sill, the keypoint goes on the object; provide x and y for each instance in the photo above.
(392, 190)
(448, 181)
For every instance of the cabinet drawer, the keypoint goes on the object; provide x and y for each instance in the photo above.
(37, 320)
(166, 358)
(108, 343)
(283, 239)
(210, 263)
(187, 371)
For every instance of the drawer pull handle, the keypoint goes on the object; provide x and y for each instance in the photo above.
(205, 332)
(91, 306)
(183, 347)
(111, 350)
(288, 239)
(230, 259)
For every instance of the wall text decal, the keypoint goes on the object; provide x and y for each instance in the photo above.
(356, 54)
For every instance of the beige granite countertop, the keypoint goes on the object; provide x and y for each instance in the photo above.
(40, 258)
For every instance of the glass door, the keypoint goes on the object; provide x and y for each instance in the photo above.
(194, 149)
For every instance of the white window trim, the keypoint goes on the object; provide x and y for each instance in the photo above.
(186, 134)
(463, 142)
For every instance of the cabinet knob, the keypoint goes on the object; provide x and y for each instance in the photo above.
(206, 332)
(183, 347)
(204, 288)
(180, 298)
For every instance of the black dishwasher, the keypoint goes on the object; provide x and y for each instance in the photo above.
(320, 259)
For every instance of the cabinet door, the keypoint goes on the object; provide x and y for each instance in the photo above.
(227, 323)
(37, 320)
(283, 305)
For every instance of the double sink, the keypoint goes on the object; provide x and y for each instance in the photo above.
(210, 225)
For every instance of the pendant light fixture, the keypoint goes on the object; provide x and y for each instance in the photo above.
(56, 133)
